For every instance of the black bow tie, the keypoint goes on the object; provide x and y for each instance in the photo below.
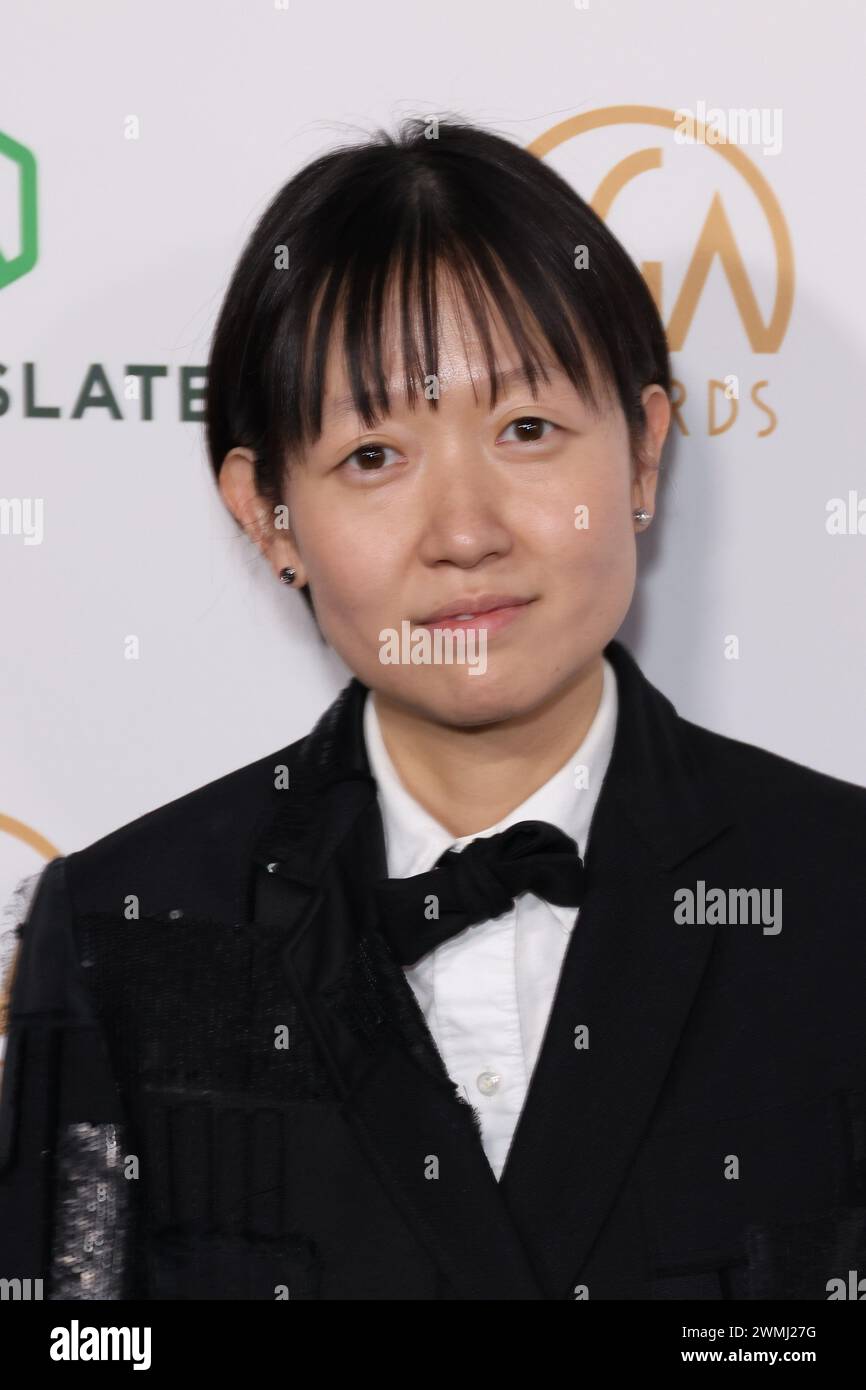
(478, 883)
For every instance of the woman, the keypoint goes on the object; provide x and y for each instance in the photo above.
(506, 981)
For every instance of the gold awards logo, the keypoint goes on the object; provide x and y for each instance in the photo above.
(690, 183)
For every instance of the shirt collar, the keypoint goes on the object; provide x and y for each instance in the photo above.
(414, 839)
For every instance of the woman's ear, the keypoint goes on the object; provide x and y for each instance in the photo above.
(265, 525)
(657, 411)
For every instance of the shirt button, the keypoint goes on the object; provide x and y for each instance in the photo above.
(488, 1082)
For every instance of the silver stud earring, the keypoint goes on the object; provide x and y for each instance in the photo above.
(642, 515)
(288, 575)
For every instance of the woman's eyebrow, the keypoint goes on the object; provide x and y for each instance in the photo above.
(345, 405)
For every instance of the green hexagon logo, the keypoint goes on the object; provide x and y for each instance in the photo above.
(28, 244)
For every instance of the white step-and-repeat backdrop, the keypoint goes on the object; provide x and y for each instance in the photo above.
(138, 145)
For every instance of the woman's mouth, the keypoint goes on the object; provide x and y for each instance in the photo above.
(491, 620)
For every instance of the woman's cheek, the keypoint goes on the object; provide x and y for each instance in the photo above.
(592, 543)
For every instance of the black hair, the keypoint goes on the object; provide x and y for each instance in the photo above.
(391, 212)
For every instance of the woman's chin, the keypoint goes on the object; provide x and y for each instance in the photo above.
(458, 696)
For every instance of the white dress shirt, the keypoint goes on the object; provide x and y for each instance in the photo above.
(487, 992)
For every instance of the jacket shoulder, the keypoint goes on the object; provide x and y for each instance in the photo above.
(195, 847)
(759, 779)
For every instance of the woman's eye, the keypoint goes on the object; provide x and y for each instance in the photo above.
(528, 428)
(369, 456)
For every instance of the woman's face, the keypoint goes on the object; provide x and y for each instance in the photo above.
(437, 508)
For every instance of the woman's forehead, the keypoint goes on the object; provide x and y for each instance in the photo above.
(419, 350)
(458, 371)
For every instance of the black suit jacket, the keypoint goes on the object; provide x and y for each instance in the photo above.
(234, 1094)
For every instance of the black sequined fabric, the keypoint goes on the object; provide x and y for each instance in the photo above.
(91, 1214)
(198, 1005)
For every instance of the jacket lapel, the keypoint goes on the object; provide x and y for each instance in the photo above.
(322, 848)
(630, 976)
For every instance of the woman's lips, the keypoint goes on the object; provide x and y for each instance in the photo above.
(492, 621)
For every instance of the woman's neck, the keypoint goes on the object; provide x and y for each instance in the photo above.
(469, 778)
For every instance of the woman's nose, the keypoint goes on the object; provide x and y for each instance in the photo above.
(463, 516)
